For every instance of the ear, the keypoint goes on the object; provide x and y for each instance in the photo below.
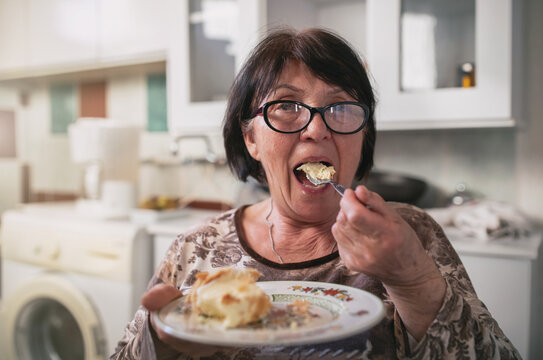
(251, 145)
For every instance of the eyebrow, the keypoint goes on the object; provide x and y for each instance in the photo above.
(336, 90)
(286, 86)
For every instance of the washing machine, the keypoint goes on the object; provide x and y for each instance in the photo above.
(70, 284)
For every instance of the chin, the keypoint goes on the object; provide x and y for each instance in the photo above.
(318, 209)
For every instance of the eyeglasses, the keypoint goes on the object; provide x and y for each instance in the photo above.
(285, 116)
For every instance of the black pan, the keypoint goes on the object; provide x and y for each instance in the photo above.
(396, 187)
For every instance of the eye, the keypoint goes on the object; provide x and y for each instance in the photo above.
(338, 108)
(290, 107)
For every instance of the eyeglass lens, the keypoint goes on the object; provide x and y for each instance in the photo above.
(292, 117)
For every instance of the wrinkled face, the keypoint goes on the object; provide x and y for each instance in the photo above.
(280, 154)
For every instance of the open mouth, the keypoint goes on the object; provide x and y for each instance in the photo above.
(302, 178)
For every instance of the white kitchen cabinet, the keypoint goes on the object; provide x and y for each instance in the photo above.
(504, 284)
(415, 49)
(503, 274)
(210, 41)
(12, 35)
(209, 50)
(165, 232)
(133, 29)
(49, 37)
(61, 32)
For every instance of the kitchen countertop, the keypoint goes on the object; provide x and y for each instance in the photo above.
(177, 225)
(469, 228)
(524, 248)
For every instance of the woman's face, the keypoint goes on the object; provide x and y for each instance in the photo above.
(280, 154)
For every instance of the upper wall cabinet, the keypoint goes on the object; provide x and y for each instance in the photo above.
(209, 43)
(61, 31)
(42, 37)
(12, 35)
(217, 35)
(441, 63)
(133, 29)
(434, 63)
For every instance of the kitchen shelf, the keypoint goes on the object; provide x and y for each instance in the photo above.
(87, 70)
(393, 125)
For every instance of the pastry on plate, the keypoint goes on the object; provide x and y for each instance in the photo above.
(229, 295)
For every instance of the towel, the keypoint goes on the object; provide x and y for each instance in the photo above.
(485, 220)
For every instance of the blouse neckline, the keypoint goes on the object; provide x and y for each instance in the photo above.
(273, 264)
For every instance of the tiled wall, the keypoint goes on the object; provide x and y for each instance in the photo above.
(482, 159)
(127, 99)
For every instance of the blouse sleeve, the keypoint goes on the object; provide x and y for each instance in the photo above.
(463, 327)
(139, 341)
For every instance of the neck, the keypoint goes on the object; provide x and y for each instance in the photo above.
(293, 242)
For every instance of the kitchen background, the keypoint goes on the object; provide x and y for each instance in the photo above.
(166, 66)
(499, 163)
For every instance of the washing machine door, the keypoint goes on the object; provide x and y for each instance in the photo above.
(50, 318)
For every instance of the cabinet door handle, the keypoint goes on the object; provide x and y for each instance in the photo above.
(104, 254)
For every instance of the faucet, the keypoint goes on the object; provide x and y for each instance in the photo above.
(210, 156)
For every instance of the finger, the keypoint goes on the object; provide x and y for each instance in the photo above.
(353, 251)
(354, 232)
(342, 238)
(371, 199)
(159, 296)
(355, 211)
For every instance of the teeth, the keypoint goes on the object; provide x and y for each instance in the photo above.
(310, 185)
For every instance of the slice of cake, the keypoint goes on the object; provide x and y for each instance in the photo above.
(229, 295)
(317, 170)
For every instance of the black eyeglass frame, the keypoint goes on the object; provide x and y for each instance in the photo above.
(321, 110)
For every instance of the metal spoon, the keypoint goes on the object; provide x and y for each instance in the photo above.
(339, 188)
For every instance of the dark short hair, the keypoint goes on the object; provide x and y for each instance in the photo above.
(327, 55)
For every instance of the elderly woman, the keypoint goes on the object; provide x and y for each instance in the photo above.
(305, 97)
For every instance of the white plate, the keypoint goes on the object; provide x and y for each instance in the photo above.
(335, 312)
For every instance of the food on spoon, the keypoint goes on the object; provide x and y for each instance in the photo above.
(230, 295)
(317, 170)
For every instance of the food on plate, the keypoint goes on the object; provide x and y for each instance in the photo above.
(230, 295)
(318, 170)
(300, 307)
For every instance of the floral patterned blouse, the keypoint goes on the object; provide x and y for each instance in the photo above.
(462, 329)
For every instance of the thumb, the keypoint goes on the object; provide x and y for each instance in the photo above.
(159, 296)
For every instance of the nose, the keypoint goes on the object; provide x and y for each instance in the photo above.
(316, 130)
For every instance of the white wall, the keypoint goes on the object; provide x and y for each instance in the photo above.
(10, 101)
(483, 159)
